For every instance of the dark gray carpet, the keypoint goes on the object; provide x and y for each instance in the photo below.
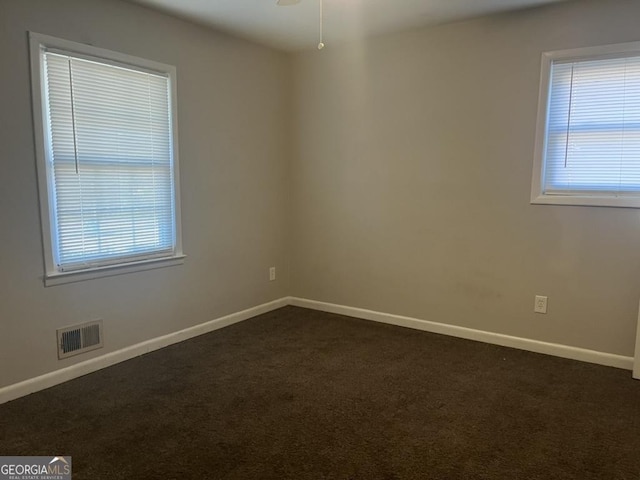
(298, 394)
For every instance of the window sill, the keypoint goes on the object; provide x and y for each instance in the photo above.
(587, 201)
(59, 278)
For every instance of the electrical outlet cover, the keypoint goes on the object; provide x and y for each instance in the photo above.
(540, 305)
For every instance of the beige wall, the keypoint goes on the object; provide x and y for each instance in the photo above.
(403, 176)
(412, 175)
(233, 113)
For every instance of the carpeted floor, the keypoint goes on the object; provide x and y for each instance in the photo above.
(299, 394)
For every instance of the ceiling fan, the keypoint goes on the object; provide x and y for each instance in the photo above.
(287, 3)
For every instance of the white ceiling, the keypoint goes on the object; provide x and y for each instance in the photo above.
(296, 27)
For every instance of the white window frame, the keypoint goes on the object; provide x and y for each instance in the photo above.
(53, 276)
(538, 196)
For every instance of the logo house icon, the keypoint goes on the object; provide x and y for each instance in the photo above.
(60, 466)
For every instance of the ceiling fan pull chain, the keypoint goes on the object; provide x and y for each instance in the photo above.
(320, 45)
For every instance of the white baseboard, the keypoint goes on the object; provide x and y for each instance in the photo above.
(11, 392)
(636, 364)
(564, 351)
(17, 390)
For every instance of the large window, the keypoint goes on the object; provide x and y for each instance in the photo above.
(108, 169)
(588, 144)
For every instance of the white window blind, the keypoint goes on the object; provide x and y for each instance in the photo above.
(593, 128)
(109, 162)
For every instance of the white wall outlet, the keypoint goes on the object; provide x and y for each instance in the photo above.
(272, 274)
(540, 305)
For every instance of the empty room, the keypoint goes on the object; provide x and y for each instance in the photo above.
(320, 239)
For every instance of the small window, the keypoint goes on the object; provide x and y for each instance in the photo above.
(107, 160)
(588, 141)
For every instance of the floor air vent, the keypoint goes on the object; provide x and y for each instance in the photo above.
(79, 338)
